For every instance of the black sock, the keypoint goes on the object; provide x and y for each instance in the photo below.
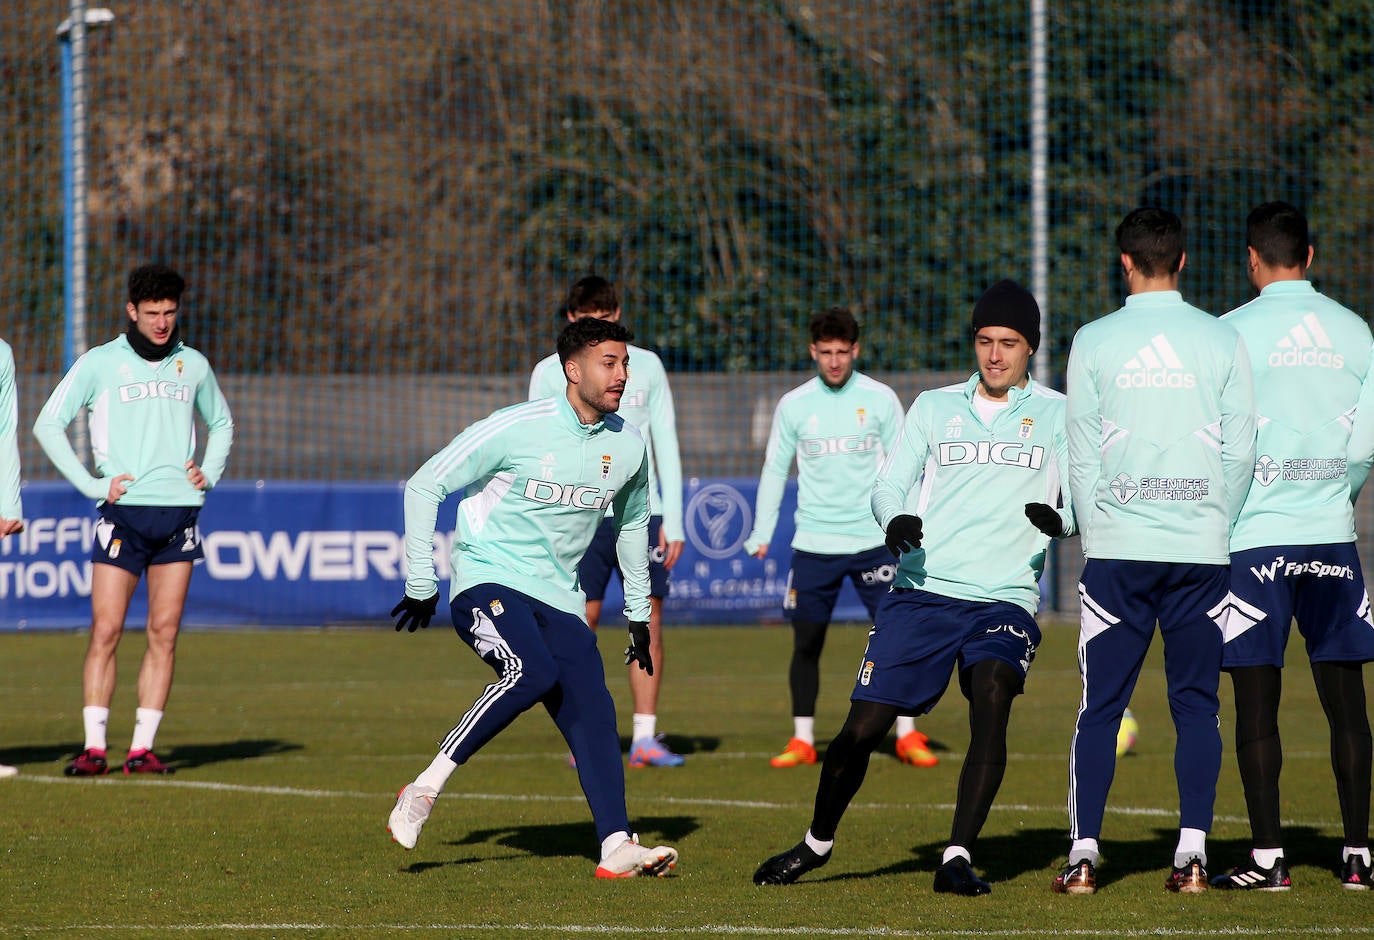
(1340, 686)
(1259, 753)
(804, 675)
(990, 686)
(846, 763)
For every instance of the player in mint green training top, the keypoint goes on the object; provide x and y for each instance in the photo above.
(537, 478)
(1161, 420)
(838, 427)
(969, 498)
(143, 390)
(1293, 550)
(11, 510)
(648, 405)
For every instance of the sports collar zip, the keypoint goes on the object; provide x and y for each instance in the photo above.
(575, 423)
(1015, 395)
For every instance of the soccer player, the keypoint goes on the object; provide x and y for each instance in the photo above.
(143, 389)
(538, 478)
(1161, 421)
(11, 509)
(839, 426)
(648, 405)
(1293, 548)
(982, 464)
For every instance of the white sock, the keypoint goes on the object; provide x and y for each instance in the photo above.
(1265, 858)
(819, 846)
(905, 725)
(1192, 843)
(612, 842)
(644, 727)
(436, 775)
(956, 851)
(804, 729)
(146, 721)
(1350, 850)
(96, 718)
(1084, 850)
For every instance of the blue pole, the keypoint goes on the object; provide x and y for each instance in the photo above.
(69, 318)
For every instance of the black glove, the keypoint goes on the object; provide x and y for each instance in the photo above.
(1045, 518)
(414, 614)
(903, 534)
(638, 650)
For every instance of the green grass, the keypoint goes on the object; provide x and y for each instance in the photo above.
(290, 747)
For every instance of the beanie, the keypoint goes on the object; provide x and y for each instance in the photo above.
(1008, 304)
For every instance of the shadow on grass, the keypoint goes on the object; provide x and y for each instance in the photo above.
(178, 758)
(562, 840)
(198, 755)
(1006, 857)
(39, 754)
(684, 744)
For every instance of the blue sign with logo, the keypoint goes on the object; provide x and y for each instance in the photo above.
(292, 553)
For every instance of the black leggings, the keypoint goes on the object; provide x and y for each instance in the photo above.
(1340, 688)
(990, 686)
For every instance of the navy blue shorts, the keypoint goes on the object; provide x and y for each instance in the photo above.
(137, 537)
(594, 571)
(919, 638)
(1320, 585)
(814, 583)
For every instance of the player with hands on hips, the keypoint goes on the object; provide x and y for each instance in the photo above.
(537, 479)
(838, 427)
(969, 458)
(144, 390)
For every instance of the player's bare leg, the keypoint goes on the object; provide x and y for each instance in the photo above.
(167, 586)
(646, 747)
(111, 589)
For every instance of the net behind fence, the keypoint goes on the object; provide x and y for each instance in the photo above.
(379, 206)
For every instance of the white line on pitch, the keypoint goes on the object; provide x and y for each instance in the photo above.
(639, 798)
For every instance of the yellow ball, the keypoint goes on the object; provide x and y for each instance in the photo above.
(1127, 734)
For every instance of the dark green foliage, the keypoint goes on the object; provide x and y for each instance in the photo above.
(350, 186)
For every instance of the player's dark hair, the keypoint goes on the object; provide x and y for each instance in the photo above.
(1153, 239)
(1278, 233)
(154, 282)
(835, 323)
(592, 294)
(589, 331)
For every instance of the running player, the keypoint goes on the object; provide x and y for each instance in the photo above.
(648, 405)
(144, 389)
(538, 478)
(1293, 548)
(1161, 419)
(839, 426)
(11, 509)
(983, 461)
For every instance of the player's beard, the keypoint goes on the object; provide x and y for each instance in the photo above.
(605, 403)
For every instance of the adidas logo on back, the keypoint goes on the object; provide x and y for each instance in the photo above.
(1156, 365)
(1306, 345)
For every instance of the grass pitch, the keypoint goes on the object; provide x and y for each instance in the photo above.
(290, 746)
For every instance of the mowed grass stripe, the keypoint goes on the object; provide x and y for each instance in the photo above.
(451, 796)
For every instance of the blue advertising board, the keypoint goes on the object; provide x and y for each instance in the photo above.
(313, 553)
